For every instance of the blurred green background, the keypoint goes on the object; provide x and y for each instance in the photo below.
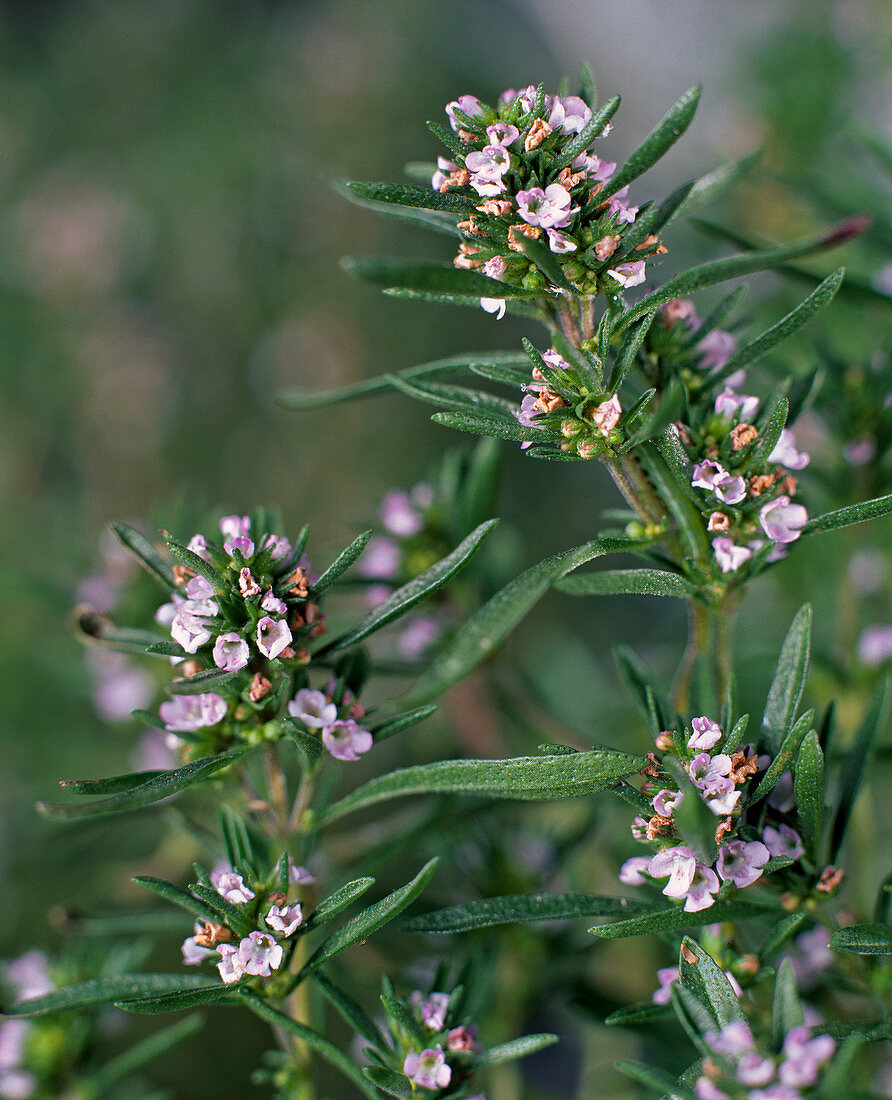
(169, 261)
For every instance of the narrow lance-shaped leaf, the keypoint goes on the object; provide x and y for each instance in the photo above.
(458, 398)
(808, 786)
(209, 680)
(589, 133)
(657, 143)
(100, 991)
(522, 908)
(232, 915)
(341, 563)
(670, 919)
(675, 493)
(432, 580)
(370, 920)
(197, 564)
(708, 983)
(429, 277)
(528, 778)
(863, 939)
(782, 760)
(713, 184)
(310, 747)
(546, 261)
(325, 1048)
(394, 1084)
(177, 896)
(852, 513)
(454, 364)
(820, 297)
(787, 1012)
(497, 427)
(515, 1048)
(349, 1009)
(623, 582)
(177, 1000)
(629, 350)
(98, 630)
(160, 786)
(789, 681)
(491, 624)
(854, 767)
(657, 1079)
(145, 1051)
(719, 271)
(441, 221)
(146, 554)
(402, 194)
(336, 903)
(399, 722)
(771, 431)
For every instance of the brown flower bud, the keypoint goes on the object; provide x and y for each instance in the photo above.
(538, 132)
(760, 484)
(789, 485)
(548, 401)
(568, 178)
(212, 934)
(259, 688)
(470, 226)
(659, 826)
(246, 584)
(189, 668)
(718, 521)
(495, 207)
(649, 241)
(182, 573)
(606, 246)
(830, 879)
(665, 740)
(741, 434)
(298, 583)
(524, 230)
(459, 178)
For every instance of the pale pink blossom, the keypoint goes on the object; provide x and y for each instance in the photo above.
(729, 556)
(527, 97)
(665, 801)
(469, 105)
(198, 545)
(502, 133)
(679, 864)
(632, 871)
(606, 415)
(231, 887)
(188, 713)
(785, 453)
(444, 168)
(618, 205)
(431, 1008)
(418, 637)
(730, 404)
(803, 1057)
(494, 268)
(548, 208)
(783, 841)
(706, 733)
(260, 954)
(489, 163)
(704, 885)
(240, 544)
(272, 604)
(560, 243)
(781, 520)
(715, 349)
(569, 114)
(345, 739)
(278, 547)
(428, 1069)
(231, 652)
(594, 167)
(313, 708)
(875, 645)
(665, 976)
(284, 919)
(29, 975)
(230, 965)
(193, 953)
(199, 588)
(299, 876)
(400, 515)
(272, 637)
(232, 527)
(628, 274)
(190, 626)
(741, 862)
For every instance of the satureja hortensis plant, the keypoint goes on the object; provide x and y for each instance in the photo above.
(735, 858)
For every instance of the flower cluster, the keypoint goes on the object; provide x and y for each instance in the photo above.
(560, 398)
(746, 496)
(344, 738)
(719, 779)
(515, 161)
(737, 1068)
(264, 949)
(243, 610)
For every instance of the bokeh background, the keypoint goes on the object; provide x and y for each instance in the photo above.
(169, 261)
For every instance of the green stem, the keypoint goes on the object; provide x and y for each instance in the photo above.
(699, 644)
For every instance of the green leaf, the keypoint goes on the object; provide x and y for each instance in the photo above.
(719, 271)
(394, 1084)
(673, 918)
(588, 133)
(794, 320)
(234, 916)
(708, 983)
(143, 1052)
(114, 784)
(401, 194)
(146, 554)
(657, 143)
(153, 790)
(201, 682)
(787, 1008)
(177, 896)
(863, 939)
(497, 427)
(783, 757)
(401, 722)
(854, 765)
(542, 256)
(642, 1012)
(310, 747)
(780, 933)
(528, 778)
(789, 681)
(422, 586)
(627, 354)
(100, 991)
(458, 398)
(852, 513)
(837, 1078)
(521, 908)
(177, 1000)
(441, 221)
(675, 494)
(318, 1043)
(341, 564)
(349, 1009)
(484, 631)
(624, 582)
(98, 630)
(516, 1048)
(453, 364)
(401, 1015)
(713, 184)
(336, 903)
(429, 277)
(198, 565)
(770, 432)
(657, 1079)
(808, 787)
(370, 920)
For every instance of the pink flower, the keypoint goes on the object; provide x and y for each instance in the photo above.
(198, 545)
(569, 113)
(705, 1089)
(706, 771)
(729, 556)
(231, 887)
(284, 919)
(628, 275)
(193, 953)
(594, 167)
(232, 527)
(606, 415)
(783, 841)
(230, 965)
(733, 1040)
(704, 885)
(432, 1009)
(753, 1069)
(29, 975)
(346, 739)
(803, 1057)
(240, 543)
(188, 713)
(706, 733)
(501, 133)
(469, 105)
(259, 954)
(665, 801)
(715, 349)
(618, 205)
(231, 652)
(272, 637)
(190, 626)
(859, 452)
(463, 1038)
(730, 404)
(781, 520)
(272, 604)
(785, 453)
(527, 97)
(199, 589)
(559, 243)
(631, 872)
(489, 163)
(666, 976)
(741, 862)
(494, 269)
(550, 208)
(399, 515)
(418, 637)
(313, 708)
(494, 305)
(444, 167)
(679, 864)
(299, 876)
(428, 1069)
(381, 558)
(278, 547)
(875, 645)
(678, 310)
(713, 476)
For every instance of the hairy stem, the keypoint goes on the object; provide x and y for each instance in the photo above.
(699, 644)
